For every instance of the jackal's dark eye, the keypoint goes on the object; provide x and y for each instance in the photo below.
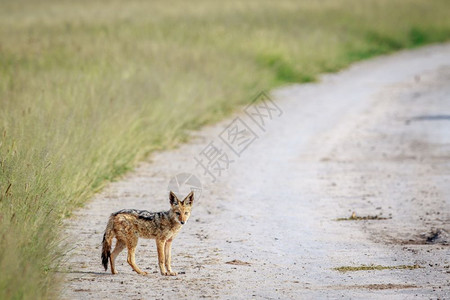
(178, 213)
(186, 213)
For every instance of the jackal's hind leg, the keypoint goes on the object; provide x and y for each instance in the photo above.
(131, 245)
(120, 245)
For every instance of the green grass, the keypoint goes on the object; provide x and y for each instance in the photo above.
(375, 267)
(88, 88)
(354, 217)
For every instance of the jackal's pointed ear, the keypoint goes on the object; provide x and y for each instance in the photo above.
(173, 199)
(189, 199)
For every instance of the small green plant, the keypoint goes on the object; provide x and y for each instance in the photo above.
(355, 217)
(375, 267)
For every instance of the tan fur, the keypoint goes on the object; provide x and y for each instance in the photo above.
(128, 225)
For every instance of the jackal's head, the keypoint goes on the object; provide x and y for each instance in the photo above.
(181, 210)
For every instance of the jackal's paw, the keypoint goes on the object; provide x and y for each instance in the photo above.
(169, 273)
(143, 273)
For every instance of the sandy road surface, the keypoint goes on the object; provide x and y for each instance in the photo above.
(373, 139)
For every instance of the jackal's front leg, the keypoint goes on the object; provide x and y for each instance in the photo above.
(161, 256)
(167, 252)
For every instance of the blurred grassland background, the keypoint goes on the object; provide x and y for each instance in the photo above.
(88, 88)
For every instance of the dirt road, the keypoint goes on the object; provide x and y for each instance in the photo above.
(373, 140)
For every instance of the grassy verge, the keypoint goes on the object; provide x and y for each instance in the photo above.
(87, 88)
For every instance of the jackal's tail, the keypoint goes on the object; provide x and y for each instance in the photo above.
(107, 242)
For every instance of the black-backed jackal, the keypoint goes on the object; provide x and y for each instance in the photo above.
(128, 225)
